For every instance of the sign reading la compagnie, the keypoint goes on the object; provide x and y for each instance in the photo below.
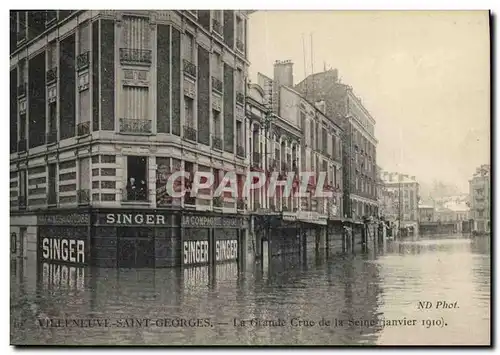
(213, 222)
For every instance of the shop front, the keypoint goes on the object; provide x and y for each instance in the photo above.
(63, 249)
(212, 239)
(129, 239)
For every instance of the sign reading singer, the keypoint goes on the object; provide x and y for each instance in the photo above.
(61, 249)
(195, 252)
(226, 250)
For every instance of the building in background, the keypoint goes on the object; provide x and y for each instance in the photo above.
(359, 142)
(480, 198)
(426, 213)
(284, 113)
(104, 106)
(401, 201)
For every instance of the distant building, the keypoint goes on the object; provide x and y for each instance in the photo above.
(425, 213)
(480, 198)
(359, 143)
(401, 199)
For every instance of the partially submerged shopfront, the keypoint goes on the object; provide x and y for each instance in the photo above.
(140, 238)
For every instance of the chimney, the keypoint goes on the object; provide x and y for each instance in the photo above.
(283, 73)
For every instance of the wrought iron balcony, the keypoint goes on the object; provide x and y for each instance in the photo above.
(21, 200)
(83, 196)
(190, 133)
(134, 126)
(51, 75)
(21, 35)
(83, 128)
(216, 84)
(189, 68)
(21, 145)
(216, 142)
(52, 136)
(240, 98)
(21, 90)
(135, 56)
(135, 194)
(240, 46)
(256, 159)
(216, 26)
(82, 61)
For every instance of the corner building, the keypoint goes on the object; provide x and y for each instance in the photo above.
(105, 105)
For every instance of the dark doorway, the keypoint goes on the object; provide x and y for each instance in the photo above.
(136, 248)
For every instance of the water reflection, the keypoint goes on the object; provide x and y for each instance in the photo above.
(309, 288)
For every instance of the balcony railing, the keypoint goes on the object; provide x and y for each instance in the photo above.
(216, 84)
(82, 61)
(240, 98)
(135, 56)
(189, 68)
(240, 46)
(52, 136)
(21, 145)
(135, 195)
(83, 196)
(190, 133)
(21, 200)
(216, 26)
(83, 128)
(134, 126)
(21, 35)
(216, 142)
(256, 159)
(51, 75)
(21, 90)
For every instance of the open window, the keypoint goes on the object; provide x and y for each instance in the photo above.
(137, 188)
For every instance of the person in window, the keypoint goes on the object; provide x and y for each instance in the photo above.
(142, 191)
(131, 189)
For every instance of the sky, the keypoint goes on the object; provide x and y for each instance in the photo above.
(423, 75)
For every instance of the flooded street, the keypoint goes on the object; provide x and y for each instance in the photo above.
(317, 299)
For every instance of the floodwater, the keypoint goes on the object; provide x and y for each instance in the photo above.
(316, 299)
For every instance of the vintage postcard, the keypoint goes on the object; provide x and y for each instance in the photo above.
(250, 177)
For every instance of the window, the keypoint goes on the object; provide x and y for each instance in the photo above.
(84, 38)
(136, 187)
(84, 107)
(189, 47)
(22, 128)
(52, 184)
(217, 65)
(239, 80)
(189, 111)
(52, 55)
(52, 117)
(324, 141)
(136, 32)
(216, 124)
(135, 102)
(312, 131)
(239, 134)
(23, 71)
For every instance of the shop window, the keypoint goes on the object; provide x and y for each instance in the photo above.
(137, 189)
